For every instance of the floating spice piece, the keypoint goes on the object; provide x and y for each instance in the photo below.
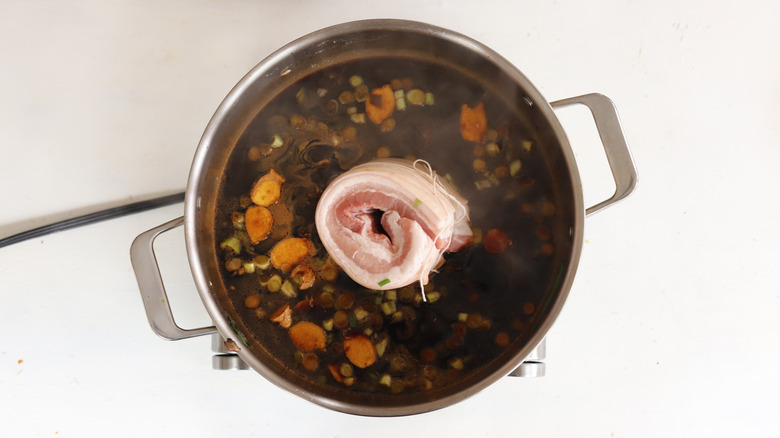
(496, 241)
(380, 104)
(332, 107)
(306, 276)
(252, 301)
(388, 125)
(307, 336)
(346, 97)
(473, 122)
(282, 316)
(258, 222)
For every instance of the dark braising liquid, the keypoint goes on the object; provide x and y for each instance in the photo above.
(484, 303)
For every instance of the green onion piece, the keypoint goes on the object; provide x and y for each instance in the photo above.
(514, 167)
(380, 347)
(417, 203)
(231, 243)
(328, 324)
(277, 142)
(433, 296)
(388, 307)
(429, 99)
(358, 118)
(391, 295)
(385, 380)
(288, 289)
(384, 282)
(415, 97)
(482, 184)
(249, 267)
(477, 233)
(361, 314)
(527, 144)
(400, 104)
(356, 81)
(274, 283)
(262, 262)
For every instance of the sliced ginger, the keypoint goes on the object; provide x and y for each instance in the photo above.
(359, 350)
(473, 122)
(289, 252)
(380, 104)
(308, 336)
(267, 189)
(258, 222)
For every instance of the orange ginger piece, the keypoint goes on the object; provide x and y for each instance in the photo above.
(308, 336)
(258, 222)
(473, 122)
(380, 104)
(359, 350)
(267, 189)
(289, 252)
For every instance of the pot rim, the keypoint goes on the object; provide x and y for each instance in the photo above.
(200, 164)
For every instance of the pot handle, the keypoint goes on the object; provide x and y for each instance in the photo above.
(614, 141)
(147, 272)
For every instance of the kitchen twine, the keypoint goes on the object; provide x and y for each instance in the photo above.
(460, 213)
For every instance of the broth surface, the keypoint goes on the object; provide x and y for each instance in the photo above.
(481, 303)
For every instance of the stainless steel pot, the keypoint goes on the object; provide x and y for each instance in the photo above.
(338, 44)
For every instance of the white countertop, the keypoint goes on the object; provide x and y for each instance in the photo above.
(671, 328)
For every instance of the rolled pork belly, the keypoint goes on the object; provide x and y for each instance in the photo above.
(388, 222)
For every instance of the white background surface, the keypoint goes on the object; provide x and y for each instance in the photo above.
(672, 325)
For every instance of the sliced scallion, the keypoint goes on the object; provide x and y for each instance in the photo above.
(417, 203)
(384, 282)
(288, 289)
(231, 243)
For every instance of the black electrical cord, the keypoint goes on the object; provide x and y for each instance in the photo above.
(91, 218)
